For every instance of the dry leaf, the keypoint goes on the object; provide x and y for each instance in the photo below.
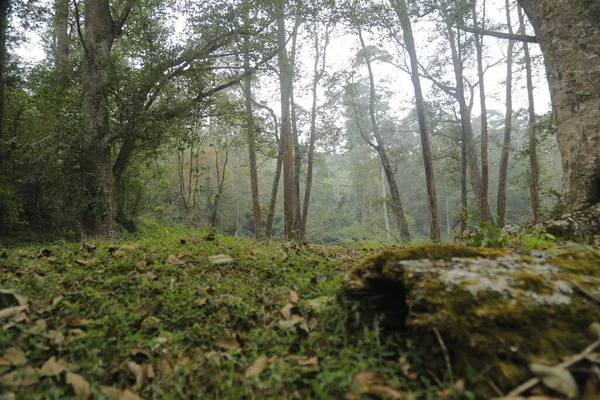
(53, 367)
(56, 337)
(10, 311)
(405, 368)
(292, 321)
(138, 372)
(369, 383)
(556, 378)
(257, 367)
(227, 344)
(75, 334)
(201, 302)
(85, 262)
(286, 311)
(129, 395)
(319, 303)
(8, 298)
(23, 377)
(81, 387)
(220, 259)
(173, 260)
(77, 322)
(110, 392)
(150, 322)
(294, 296)
(15, 356)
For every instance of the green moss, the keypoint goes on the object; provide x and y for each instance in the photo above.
(587, 263)
(530, 281)
(386, 258)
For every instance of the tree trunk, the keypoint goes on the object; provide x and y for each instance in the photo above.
(464, 205)
(484, 122)
(61, 31)
(251, 134)
(569, 36)
(507, 128)
(533, 164)
(274, 191)
(98, 219)
(434, 222)
(4, 6)
(381, 150)
(384, 210)
(465, 119)
(286, 75)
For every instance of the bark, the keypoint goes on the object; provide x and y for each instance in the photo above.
(251, 136)
(274, 191)
(286, 75)
(297, 165)
(533, 164)
(4, 7)
(100, 211)
(61, 31)
(569, 35)
(507, 128)
(384, 210)
(434, 224)
(464, 205)
(484, 121)
(381, 150)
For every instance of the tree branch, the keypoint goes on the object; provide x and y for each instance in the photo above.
(123, 17)
(78, 22)
(501, 35)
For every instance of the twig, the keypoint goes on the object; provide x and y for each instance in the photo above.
(495, 388)
(445, 351)
(573, 360)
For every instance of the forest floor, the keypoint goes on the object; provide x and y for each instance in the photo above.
(186, 315)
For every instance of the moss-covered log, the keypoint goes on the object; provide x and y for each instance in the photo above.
(497, 311)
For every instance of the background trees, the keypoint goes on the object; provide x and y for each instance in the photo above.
(184, 112)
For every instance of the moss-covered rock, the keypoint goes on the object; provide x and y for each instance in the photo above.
(495, 310)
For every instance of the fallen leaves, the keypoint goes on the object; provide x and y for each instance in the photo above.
(81, 387)
(257, 367)
(53, 367)
(227, 344)
(220, 259)
(371, 384)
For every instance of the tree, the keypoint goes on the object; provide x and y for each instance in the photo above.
(569, 35)
(99, 217)
(380, 147)
(402, 12)
(507, 126)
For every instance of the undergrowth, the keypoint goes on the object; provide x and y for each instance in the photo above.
(154, 316)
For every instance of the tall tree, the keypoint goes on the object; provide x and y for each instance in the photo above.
(507, 126)
(251, 133)
(61, 30)
(484, 122)
(533, 163)
(4, 7)
(286, 78)
(99, 217)
(380, 147)
(569, 36)
(402, 12)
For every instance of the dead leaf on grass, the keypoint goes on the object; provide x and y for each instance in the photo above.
(220, 259)
(56, 337)
(318, 304)
(53, 367)
(129, 395)
(14, 356)
(22, 377)
(405, 368)
(143, 373)
(81, 387)
(77, 322)
(370, 383)
(173, 260)
(150, 322)
(294, 296)
(201, 302)
(286, 311)
(257, 367)
(85, 262)
(73, 334)
(292, 321)
(110, 392)
(227, 344)
(9, 298)
(556, 378)
(10, 311)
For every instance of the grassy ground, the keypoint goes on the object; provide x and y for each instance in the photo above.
(155, 318)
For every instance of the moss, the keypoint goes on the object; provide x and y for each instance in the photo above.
(386, 258)
(530, 281)
(582, 262)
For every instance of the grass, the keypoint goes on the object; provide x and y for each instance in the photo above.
(152, 316)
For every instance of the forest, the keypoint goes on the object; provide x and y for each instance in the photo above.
(248, 199)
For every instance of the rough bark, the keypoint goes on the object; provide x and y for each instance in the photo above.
(507, 129)
(569, 35)
(100, 211)
(434, 224)
(384, 210)
(533, 164)
(286, 75)
(381, 150)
